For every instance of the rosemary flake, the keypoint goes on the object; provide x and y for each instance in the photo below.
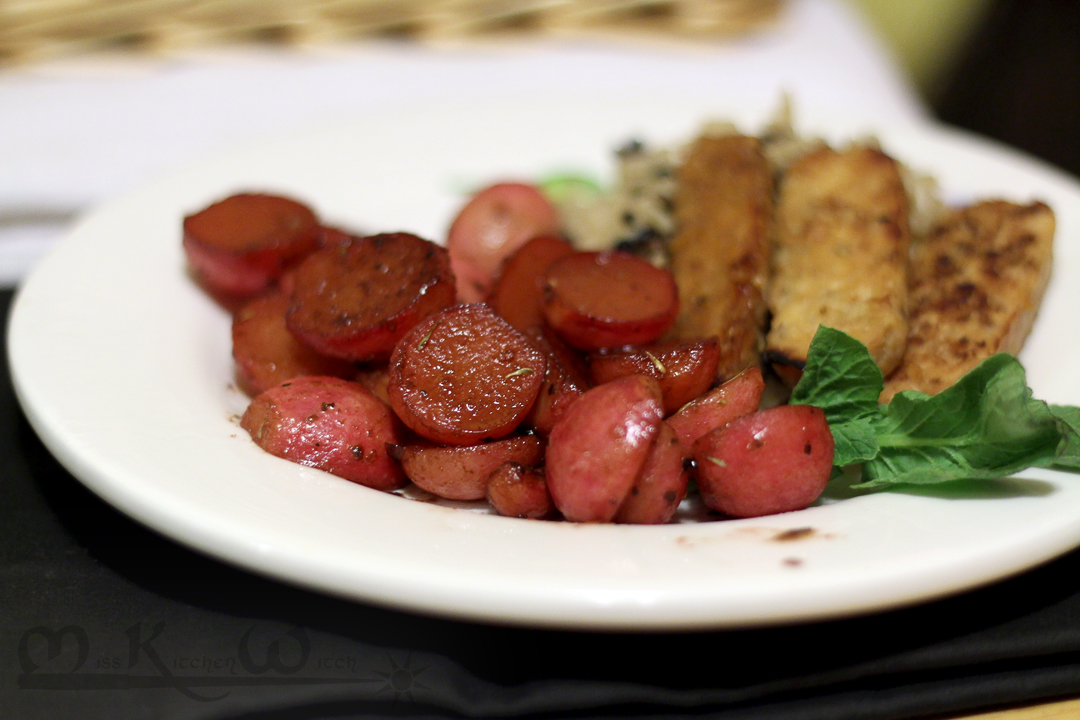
(427, 336)
(656, 362)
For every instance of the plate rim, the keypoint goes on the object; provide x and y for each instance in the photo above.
(629, 615)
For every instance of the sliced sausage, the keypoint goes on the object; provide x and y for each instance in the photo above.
(464, 375)
(355, 300)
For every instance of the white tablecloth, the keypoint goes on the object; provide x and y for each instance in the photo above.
(77, 131)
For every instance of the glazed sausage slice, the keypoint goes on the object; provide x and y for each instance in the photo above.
(520, 491)
(684, 369)
(267, 354)
(601, 300)
(355, 300)
(493, 224)
(741, 395)
(520, 286)
(661, 485)
(240, 245)
(330, 424)
(458, 472)
(599, 446)
(464, 375)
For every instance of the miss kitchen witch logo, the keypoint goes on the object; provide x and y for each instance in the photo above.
(62, 659)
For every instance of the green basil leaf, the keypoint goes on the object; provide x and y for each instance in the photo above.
(855, 442)
(986, 425)
(840, 377)
(559, 186)
(1069, 454)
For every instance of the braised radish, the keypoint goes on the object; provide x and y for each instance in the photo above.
(240, 245)
(464, 375)
(331, 424)
(602, 300)
(741, 395)
(490, 228)
(684, 369)
(564, 380)
(660, 485)
(598, 448)
(772, 461)
(460, 472)
(267, 354)
(357, 299)
(546, 400)
(520, 491)
(520, 286)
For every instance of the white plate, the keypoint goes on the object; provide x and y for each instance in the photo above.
(124, 369)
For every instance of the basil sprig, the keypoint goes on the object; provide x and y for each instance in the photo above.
(986, 425)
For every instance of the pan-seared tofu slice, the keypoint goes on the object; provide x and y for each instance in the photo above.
(720, 253)
(840, 257)
(977, 280)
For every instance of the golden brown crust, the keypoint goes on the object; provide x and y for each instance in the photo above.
(977, 280)
(840, 256)
(720, 254)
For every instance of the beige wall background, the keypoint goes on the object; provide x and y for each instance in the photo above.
(926, 35)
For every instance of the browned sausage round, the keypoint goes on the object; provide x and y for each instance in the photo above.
(240, 245)
(355, 300)
(464, 375)
(600, 300)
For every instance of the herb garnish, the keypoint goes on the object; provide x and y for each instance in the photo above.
(986, 425)
(427, 336)
(657, 364)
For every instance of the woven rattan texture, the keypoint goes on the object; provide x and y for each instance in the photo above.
(34, 29)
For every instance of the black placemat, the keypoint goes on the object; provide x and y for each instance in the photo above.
(102, 618)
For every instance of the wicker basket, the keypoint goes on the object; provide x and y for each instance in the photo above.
(33, 29)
